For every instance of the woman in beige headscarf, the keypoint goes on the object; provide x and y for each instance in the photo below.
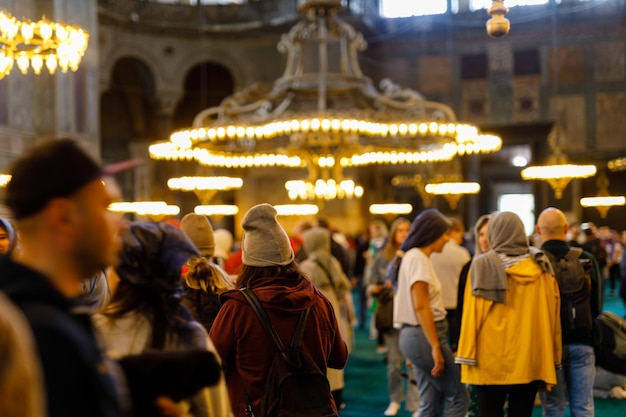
(325, 272)
(511, 335)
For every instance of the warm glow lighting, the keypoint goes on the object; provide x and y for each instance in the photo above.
(603, 201)
(216, 210)
(557, 171)
(30, 44)
(618, 164)
(323, 190)
(391, 208)
(519, 161)
(452, 191)
(4, 179)
(204, 183)
(558, 176)
(145, 208)
(296, 209)
(453, 188)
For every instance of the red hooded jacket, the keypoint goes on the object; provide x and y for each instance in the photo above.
(246, 349)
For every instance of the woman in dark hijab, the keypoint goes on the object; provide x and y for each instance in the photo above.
(420, 314)
(146, 311)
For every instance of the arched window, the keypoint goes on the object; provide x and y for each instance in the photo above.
(404, 8)
(485, 4)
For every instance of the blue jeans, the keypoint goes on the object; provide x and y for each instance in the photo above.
(437, 394)
(395, 381)
(574, 382)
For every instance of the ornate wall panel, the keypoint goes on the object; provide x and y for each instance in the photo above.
(434, 74)
(475, 106)
(610, 121)
(569, 113)
(609, 62)
(526, 93)
(566, 65)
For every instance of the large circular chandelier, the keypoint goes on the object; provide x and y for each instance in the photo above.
(40, 44)
(323, 114)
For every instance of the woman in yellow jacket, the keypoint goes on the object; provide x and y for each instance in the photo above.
(511, 333)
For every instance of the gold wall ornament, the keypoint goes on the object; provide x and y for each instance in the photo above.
(40, 44)
(557, 171)
(603, 201)
(418, 182)
(323, 113)
(617, 164)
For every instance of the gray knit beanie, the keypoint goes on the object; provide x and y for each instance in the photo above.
(199, 230)
(264, 241)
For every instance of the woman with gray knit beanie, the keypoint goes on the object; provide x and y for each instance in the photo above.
(420, 315)
(284, 292)
(510, 341)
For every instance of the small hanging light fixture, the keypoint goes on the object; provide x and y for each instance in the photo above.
(603, 201)
(557, 171)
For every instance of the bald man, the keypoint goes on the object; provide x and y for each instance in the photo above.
(575, 379)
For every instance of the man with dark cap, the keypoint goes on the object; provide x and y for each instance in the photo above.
(60, 204)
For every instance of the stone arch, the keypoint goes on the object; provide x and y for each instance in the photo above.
(133, 50)
(241, 73)
(205, 85)
(128, 114)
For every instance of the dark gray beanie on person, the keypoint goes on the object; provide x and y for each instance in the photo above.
(56, 169)
(199, 230)
(264, 241)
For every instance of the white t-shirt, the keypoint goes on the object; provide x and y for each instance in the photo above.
(448, 265)
(416, 267)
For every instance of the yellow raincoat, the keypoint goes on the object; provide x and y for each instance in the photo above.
(516, 342)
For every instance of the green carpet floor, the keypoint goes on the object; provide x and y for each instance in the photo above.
(366, 382)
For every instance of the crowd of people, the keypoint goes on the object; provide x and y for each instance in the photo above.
(100, 316)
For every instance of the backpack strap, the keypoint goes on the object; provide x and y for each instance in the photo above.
(574, 253)
(269, 327)
(297, 336)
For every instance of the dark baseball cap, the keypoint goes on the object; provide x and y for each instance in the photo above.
(55, 169)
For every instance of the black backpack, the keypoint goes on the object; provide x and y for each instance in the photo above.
(295, 386)
(573, 276)
(611, 353)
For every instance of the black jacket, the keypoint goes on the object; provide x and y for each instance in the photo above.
(79, 380)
